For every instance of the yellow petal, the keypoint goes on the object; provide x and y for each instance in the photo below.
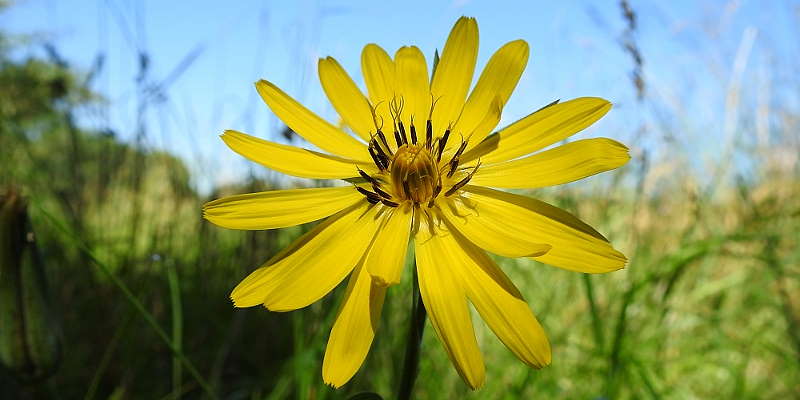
(453, 75)
(445, 301)
(279, 208)
(575, 245)
(354, 329)
(346, 97)
(412, 80)
(292, 160)
(387, 256)
(496, 83)
(491, 116)
(499, 302)
(379, 75)
(539, 130)
(563, 164)
(493, 236)
(310, 126)
(313, 265)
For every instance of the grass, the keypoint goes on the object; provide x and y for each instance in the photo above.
(708, 306)
(705, 308)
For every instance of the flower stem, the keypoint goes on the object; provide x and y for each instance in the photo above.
(415, 329)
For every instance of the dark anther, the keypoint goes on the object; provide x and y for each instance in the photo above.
(442, 143)
(438, 187)
(368, 178)
(398, 139)
(402, 132)
(389, 203)
(380, 191)
(428, 132)
(366, 192)
(383, 138)
(454, 161)
(413, 132)
(380, 156)
(453, 167)
(461, 149)
(462, 182)
(375, 158)
(371, 197)
(378, 149)
(385, 160)
(458, 185)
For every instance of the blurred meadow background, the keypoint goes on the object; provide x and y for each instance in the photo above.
(110, 112)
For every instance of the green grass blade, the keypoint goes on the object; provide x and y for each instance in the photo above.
(132, 299)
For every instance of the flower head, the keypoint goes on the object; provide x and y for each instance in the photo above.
(420, 167)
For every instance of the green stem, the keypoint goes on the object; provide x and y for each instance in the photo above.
(597, 324)
(415, 330)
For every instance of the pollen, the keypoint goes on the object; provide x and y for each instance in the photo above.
(415, 174)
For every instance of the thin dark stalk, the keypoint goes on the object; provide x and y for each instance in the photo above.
(415, 330)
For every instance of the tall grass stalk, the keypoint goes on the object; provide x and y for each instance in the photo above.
(70, 237)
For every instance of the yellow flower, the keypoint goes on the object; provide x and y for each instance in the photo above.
(420, 169)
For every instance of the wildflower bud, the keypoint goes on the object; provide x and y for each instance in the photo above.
(29, 342)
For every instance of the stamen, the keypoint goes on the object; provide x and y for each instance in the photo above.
(462, 182)
(381, 192)
(453, 167)
(438, 187)
(398, 139)
(381, 125)
(428, 134)
(380, 154)
(403, 132)
(368, 178)
(378, 149)
(433, 105)
(455, 160)
(413, 132)
(432, 145)
(389, 203)
(442, 143)
(371, 197)
(375, 159)
(380, 135)
(375, 115)
(396, 110)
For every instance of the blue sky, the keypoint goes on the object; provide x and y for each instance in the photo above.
(689, 49)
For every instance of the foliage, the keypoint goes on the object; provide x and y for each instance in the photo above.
(708, 306)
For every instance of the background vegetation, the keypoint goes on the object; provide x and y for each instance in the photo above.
(709, 306)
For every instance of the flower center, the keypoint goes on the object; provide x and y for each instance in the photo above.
(414, 174)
